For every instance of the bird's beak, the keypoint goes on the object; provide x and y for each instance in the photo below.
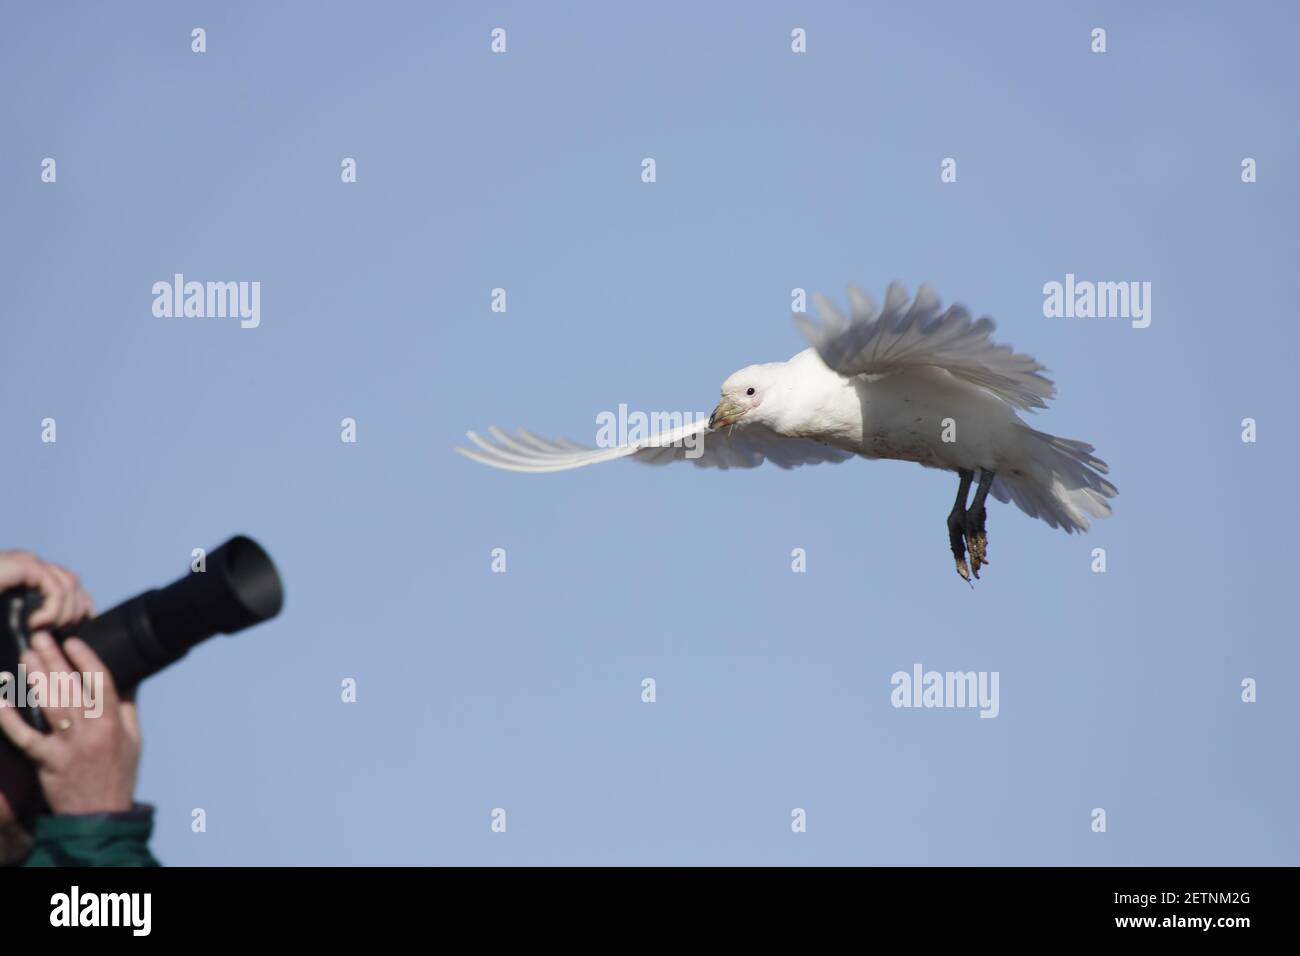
(727, 413)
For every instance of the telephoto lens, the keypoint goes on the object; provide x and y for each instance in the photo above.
(239, 587)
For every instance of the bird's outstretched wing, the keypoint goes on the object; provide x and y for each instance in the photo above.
(880, 342)
(735, 446)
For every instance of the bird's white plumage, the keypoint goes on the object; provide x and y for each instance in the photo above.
(879, 383)
(873, 341)
(736, 446)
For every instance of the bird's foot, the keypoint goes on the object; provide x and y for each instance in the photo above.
(956, 541)
(977, 539)
(963, 570)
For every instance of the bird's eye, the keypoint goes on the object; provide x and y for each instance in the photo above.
(749, 391)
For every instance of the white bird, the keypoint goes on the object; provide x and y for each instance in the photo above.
(911, 382)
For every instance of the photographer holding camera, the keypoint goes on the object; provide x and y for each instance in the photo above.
(66, 795)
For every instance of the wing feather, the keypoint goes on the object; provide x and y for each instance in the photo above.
(880, 342)
(735, 446)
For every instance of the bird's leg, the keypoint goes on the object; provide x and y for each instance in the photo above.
(956, 523)
(977, 539)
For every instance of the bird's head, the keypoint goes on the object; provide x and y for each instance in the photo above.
(742, 394)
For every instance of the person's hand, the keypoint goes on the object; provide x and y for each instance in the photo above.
(64, 602)
(65, 599)
(87, 762)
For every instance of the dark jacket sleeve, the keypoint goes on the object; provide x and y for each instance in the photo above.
(94, 839)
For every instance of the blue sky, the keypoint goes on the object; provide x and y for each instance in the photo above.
(775, 170)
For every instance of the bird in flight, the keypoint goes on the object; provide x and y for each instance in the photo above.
(913, 382)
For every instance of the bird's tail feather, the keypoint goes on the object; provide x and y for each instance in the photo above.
(1059, 480)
